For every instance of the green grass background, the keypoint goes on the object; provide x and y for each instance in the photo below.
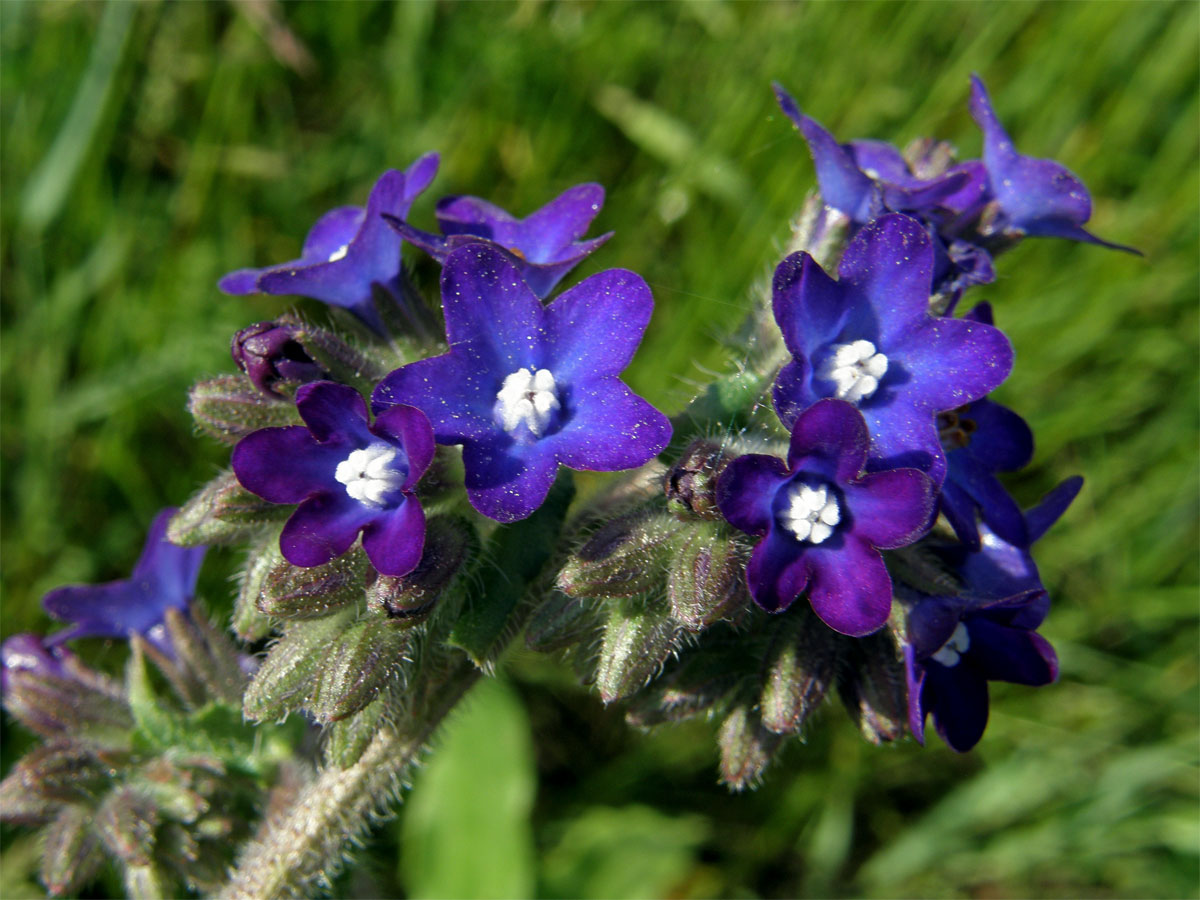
(147, 149)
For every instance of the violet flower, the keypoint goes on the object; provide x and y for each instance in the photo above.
(544, 246)
(823, 521)
(526, 387)
(27, 652)
(955, 645)
(1034, 197)
(164, 578)
(269, 353)
(981, 439)
(349, 250)
(348, 476)
(868, 338)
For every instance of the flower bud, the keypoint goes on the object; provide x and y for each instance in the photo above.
(284, 681)
(249, 623)
(690, 484)
(268, 352)
(229, 407)
(747, 748)
(71, 854)
(355, 666)
(300, 592)
(638, 638)
(559, 621)
(347, 739)
(693, 685)
(873, 688)
(63, 771)
(929, 158)
(800, 668)
(821, 231)
(126, 821)
(222, 512)
(706, 577)
(408, 600)
(624, 557)
(206, 655)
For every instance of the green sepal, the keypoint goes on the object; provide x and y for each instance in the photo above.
(724, 406)
(346, 739)
(514, 557)
(125, 822)
(344, 362)
(249, 623)
(229, 407)
(71, 852)
(639, 635)
(706, 576)
(561, 620)
(873, 688)
(450, 543)
(747, 748)
(284, 680)
(223, 512)
(355, 666)
(624, 557)
(311, 592)
(801, 667)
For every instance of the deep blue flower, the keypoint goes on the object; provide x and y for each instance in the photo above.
(823, 521)
(348, 476)
(868, 338)
(164, 578)
(981, 439)
(527, 387)
(1034, 197)
(348, 251)
(955, 645)
(544, 246)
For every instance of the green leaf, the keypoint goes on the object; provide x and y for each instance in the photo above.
(466, 831)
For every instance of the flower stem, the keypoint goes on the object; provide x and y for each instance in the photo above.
(307, 844)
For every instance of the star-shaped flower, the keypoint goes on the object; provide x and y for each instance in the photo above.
(347, 475)
(350, 249)
(823, 521)
(544, 246)
(1034, 197)
(955, 645)
(164, 578)
(527, 387)
(868, 338)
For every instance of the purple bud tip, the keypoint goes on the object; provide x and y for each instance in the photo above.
(269, 352)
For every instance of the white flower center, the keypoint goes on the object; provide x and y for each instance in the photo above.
(811, 514)
(369, 476)
(954, 648)
(527, 398)
(855, 369)
(339, 253)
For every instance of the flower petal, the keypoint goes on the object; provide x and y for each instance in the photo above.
(829, 437)
(1001, 653)
(455, 391)
(322, 528)
(810, 307)
(332, 232)
(892, 509)
(503, 483)
(778, 571)
(173, 569)
(551, 229)
(241, 281)
(595, 327)
(851, 590)
(746, 491)
(889, 268)
(334, 413)
(1051, 508)
(285, 465)
(610, 428)
(410, 428)
(958, 699)
(394, 541)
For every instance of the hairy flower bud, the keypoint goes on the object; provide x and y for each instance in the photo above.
(705, 577)
(343, 363)
(283, 683)
(355, 666)
(300, 592)
(747, 748)
(268, 352)
(71, 853)
(624, 557)
(800, 668)
(126, 821)
(222, 512)
(690, 484)
(638, 638)
(561, 620)
(229, 407)
(873, 688)
(408, 600)
(699, 679)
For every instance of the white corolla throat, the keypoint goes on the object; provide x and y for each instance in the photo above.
(339, 253)
(369, 474)
(855, 369)
(811, 513)
(953, 649)
(527, 398)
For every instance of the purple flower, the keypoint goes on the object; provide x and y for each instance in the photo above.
(981, 439)
(164, 578)
(1034, 197)
(347, 475)
(955, 645)
(823, 521)
(29, 653)
(544, 245)
(349, 250)
(527, 387)
(268, 352)
(864, 179)
(868, 338)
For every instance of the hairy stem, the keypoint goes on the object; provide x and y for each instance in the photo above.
(307, 844)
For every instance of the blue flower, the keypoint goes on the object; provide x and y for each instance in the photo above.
(868, 338)
(348, 476)
(544, 246)
(1034, 197)
(164, 578)
(955, 645)
(348, 251)
(527, 387)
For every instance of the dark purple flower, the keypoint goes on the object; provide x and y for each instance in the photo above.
(268, 352)
(347, 475)
(527, 387)
(545, 245)
(164, 578)
(868, 338)
(981, 439)
(955, 645)
(823, 521)
(864, 179)
(1034, 197)
(349, 250)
